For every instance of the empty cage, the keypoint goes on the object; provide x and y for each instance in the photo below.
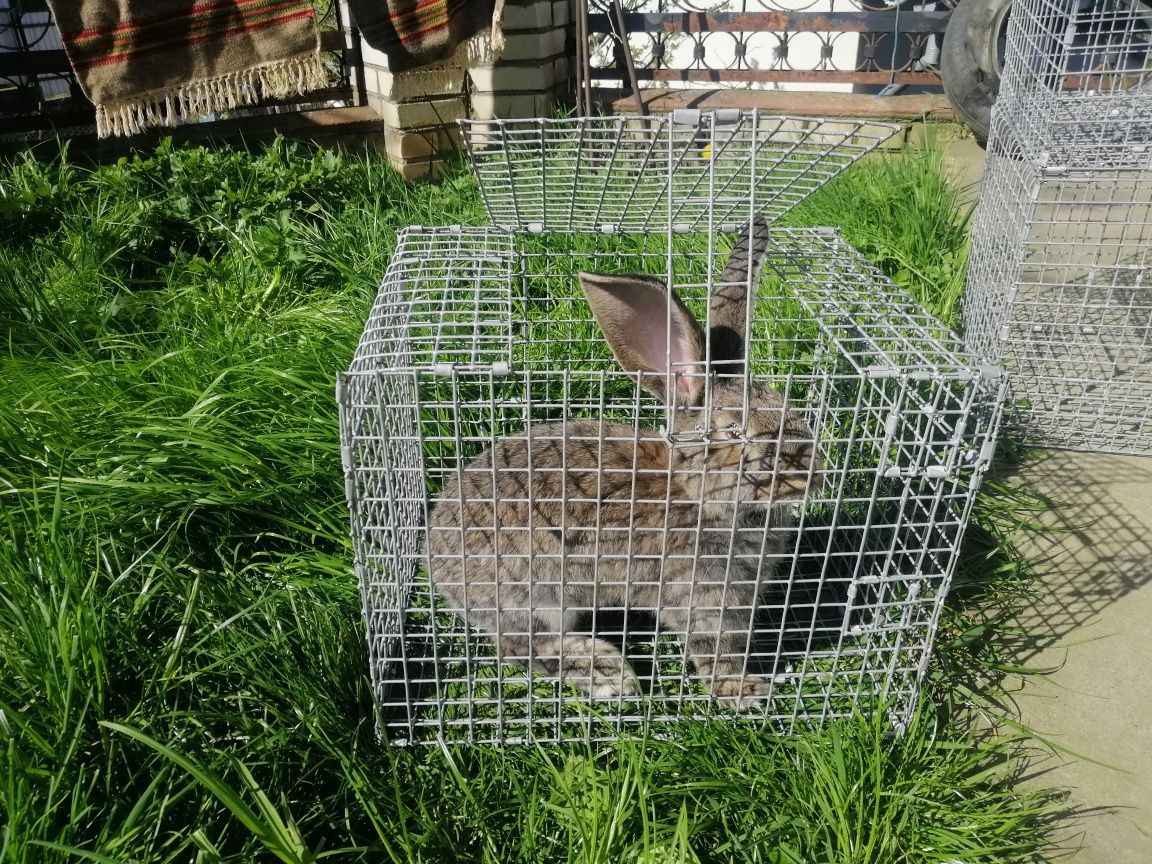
(1060, 292)
(1060, 275)
(1076, 87)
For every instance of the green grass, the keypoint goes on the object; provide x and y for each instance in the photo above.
(182, 666)
(905, 215)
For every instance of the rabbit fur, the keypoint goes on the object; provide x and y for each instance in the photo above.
(571, 517)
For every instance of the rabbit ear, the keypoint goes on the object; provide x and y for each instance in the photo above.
(649, 329)
(728, 312)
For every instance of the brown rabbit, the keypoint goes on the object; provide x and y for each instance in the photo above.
(584, 515)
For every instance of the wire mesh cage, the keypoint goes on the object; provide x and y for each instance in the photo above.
(683, 171)
(578, 505)
(1077, 81)
(1060, 292)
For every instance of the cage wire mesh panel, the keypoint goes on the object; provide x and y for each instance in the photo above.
(685, 171)
(578, 506)
(850, 578)
(1076, 86)
(1060, 290)
(1060, 275)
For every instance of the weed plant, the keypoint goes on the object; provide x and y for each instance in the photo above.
(182, 662)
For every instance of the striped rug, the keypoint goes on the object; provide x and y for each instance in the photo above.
(151, 62)
(415, 33)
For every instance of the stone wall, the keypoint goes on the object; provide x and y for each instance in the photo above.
(531, 77)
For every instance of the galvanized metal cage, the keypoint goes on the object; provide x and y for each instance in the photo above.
(1060, 276)
(684, 171)
(1076, 87)
(1060, 292)
(480, 339)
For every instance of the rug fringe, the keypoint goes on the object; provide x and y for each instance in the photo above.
(438, 78)
(485, 47)
(283, 78)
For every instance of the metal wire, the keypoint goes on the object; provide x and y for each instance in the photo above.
(1060, 277)
(480, 339)
(685, 171)
(1060, 290)
(1076, 87)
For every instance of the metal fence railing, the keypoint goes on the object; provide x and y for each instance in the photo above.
(847, 45)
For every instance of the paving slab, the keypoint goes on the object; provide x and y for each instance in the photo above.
(964, 162)
(1092, 626)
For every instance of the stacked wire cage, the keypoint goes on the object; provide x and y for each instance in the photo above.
(1060, 280)
(517, 478)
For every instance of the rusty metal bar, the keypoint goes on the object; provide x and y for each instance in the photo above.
(583, 61)
(625, 53)
(824, 76)
(773, 22)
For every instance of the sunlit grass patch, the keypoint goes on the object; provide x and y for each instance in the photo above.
(177, 570)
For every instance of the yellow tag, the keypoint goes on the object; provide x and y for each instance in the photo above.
(706, 151)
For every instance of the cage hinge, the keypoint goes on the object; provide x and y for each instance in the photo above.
(1054, 170)
(987, 451)
(891, 424)
(720, 116)
(881, 371)
(344, 400)
(349, 478)
(349, 474)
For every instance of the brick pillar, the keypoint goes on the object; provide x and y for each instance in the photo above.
(420, 108)
(533, 68)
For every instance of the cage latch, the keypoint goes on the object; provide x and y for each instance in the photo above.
(929, 472)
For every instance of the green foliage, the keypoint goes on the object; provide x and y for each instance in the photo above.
(905, 215)
(182, 665)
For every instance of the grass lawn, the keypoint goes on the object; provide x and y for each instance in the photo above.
(182, 665)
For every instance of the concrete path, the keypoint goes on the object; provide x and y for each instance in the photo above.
(1092, 626)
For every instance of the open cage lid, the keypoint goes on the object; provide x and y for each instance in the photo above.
(684, 171)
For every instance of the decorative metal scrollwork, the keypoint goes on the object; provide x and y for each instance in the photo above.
(770, 43)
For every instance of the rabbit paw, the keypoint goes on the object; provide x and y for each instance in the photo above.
(741, 694)
(598, 668)
(612, 678)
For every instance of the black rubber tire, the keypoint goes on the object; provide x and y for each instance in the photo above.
(970, 61)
